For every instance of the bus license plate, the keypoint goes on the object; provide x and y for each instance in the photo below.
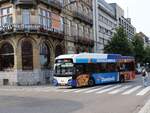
(62, 82)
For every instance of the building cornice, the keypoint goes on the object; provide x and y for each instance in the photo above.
(103, 9)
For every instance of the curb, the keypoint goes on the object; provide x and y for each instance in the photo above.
(146, 108)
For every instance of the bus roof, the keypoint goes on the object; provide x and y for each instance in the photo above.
(92, 57)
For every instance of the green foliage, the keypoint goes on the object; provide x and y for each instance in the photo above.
(119, 44)
(138, 46)
(147, 55)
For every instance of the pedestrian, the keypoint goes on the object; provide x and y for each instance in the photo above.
(145, 77)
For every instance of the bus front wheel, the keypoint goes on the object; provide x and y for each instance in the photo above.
(91, 82)
(122, 79)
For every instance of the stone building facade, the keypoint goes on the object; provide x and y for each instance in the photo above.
(34, 32)
(78, 26)
(124, 22)
(31, 36)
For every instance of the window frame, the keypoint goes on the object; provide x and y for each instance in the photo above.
(7, 57)
(27, 56)
(7, 16)
(26, 15)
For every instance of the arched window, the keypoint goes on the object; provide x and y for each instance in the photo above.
(27, 55)
(44, 56)
(6, 56)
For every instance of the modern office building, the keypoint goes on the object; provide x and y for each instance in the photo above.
(78, 26)
(124, 22)
(145, 38)
(104, 24)
(107, 17)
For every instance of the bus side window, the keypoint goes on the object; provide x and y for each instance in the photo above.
(111, 67)
(80, 69)
(103, 68)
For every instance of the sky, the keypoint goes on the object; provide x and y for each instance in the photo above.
(138, 11)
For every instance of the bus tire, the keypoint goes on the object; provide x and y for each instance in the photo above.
(121, 79)
(91, 82)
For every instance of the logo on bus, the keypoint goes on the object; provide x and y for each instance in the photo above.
(108, 79)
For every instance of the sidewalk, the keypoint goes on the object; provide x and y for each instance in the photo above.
(146, 108)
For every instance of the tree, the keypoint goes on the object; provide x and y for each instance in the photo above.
(119, 44)
(147, 55)
(138, 47)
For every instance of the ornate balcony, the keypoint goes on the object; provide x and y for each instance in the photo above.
(56, 4)
(25, 2)
(84, 40)
(83, 17)
(53, 3)
(31, 29)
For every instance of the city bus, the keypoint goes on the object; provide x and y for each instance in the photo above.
(89, 69)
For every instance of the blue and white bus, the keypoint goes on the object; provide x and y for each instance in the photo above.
(92, 68)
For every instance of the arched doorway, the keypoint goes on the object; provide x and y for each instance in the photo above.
(45, 62)
(6, 56)
(44, 56)
(27, 55)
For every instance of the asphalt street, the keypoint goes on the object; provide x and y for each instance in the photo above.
(128, 97)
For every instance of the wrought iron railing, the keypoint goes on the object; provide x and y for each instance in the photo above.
(23, 2)
(84, 40)
(54, 3)
(86, 18)
(30, 28)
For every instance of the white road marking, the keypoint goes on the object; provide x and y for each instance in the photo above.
(81, 90)
(70, 90)
(97, 89)
(131, 90)
(120, 89)
(144, 91)
(109, 89)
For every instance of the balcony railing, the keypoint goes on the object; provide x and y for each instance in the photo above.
(31, 28)
(84, 40)
(83, 17)
(25, 2)
(54, 3)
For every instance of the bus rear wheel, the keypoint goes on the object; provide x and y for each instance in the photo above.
(91, 82)
(121, 79)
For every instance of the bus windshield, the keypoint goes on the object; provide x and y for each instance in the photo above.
(64, 69)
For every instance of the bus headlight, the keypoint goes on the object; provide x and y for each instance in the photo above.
(69, 82)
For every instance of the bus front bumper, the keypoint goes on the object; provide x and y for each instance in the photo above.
(62, 81)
